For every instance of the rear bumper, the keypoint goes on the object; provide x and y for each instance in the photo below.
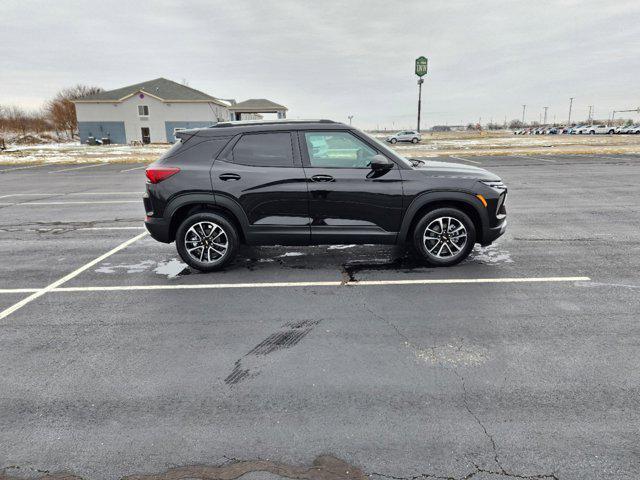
(491, 234)
(158, 228)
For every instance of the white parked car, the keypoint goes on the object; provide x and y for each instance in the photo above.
(405, 136)
(600, 129)
(634, 129)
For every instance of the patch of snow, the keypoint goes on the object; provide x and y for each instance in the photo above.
(492, 254)
(340, 247)
(171, 269)
(291, 254)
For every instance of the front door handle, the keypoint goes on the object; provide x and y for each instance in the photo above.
(322, 178)
(230, 176)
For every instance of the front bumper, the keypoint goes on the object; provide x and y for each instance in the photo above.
(491, 234)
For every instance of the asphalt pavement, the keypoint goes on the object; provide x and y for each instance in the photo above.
(325, 362)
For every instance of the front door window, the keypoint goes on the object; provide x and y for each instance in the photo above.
(337, 150)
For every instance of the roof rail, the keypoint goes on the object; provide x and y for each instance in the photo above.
(236, 123)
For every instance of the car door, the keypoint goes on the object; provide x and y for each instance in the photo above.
(262, 173)
(347, 202)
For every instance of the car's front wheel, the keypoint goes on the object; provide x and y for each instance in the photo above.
(393, 140)
(207, 241)
(444, 237)
(414, 140)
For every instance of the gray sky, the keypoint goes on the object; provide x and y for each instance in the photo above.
(331, 59)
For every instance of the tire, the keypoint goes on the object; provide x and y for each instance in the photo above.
(451, 218)
(211, 226)
(393, 140)
(611, 132)
(592, 132)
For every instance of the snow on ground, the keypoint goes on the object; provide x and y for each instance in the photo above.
(432, 145)
(74, 152)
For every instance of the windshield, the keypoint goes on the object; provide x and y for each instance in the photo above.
(381, 146)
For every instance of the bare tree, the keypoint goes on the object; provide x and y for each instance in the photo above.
(61, 110)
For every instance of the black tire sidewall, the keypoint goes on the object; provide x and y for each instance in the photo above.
(393, 140)
(420, 227)
(227, 226)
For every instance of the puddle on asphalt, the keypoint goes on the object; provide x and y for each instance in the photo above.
(492, 255)
(171, 269)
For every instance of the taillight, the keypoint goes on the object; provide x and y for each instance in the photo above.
(158, 174)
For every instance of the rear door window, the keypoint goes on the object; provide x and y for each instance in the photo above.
(264, 150)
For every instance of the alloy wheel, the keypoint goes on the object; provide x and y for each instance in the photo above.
(206, 242)
(445, 237)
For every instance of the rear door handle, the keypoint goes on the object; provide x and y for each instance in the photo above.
(229, 176)
(322, 178)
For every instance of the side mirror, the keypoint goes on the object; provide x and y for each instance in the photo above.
(380, 163)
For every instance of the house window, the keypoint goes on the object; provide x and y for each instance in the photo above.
(143, 110)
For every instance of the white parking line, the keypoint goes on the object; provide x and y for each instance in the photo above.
(65, 194)
(29, 204)
(361, 283)
(465, 159)
(79, 168)
(24, 168)
(37, 294)
(132, 169)
(541, 159)
(111, 228)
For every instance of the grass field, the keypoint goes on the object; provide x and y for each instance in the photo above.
(432, 145)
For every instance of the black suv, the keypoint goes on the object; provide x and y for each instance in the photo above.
(313, 183)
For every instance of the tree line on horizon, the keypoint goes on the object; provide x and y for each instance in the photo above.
(58, 115)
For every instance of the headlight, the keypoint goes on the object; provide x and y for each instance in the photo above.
(494, 184)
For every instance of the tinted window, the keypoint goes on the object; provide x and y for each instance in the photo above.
(264, 150)
(337, 150)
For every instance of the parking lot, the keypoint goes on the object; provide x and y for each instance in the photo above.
(521, 362)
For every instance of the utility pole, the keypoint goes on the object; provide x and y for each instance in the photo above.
(524, 108)
(350, 117)
(545, 115)
(420, 82)
(590, 111)
(421, 70)
(570, 105)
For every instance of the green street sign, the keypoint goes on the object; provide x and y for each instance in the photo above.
(421, 66)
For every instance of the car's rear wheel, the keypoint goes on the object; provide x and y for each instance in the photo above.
(393, 140)
(207, 241)
(414, 140)
(444, 237)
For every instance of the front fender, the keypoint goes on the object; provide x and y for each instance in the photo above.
(424, 199)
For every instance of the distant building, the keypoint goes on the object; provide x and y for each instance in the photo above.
(256, 106)
(151, 112)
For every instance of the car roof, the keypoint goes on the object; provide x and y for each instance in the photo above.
(233, 128)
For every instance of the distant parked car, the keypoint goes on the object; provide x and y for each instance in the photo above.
(405, 136)
(551, 131)
(579, 129)
(600, 129)
(635, 129)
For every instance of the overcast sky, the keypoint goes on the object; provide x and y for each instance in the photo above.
(332, 59)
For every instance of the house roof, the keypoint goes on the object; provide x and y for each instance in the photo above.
(160, 88)
(257, 105)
